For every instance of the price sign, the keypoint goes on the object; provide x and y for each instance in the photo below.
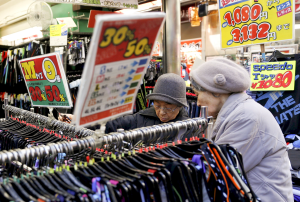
(246, 22)
(120, 53)
(46, 81)
(273, 76)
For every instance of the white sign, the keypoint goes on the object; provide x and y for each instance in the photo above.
(67, 21)
(131, 4)
(119, 55)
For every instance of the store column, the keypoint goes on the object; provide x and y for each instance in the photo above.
(171, 36)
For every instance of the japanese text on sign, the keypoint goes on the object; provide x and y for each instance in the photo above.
(46, 81)
(249, 22)
(273, 76)
(121, 51)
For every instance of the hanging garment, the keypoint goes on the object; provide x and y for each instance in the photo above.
(284, 105)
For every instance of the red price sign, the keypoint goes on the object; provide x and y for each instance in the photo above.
(120, 53)
(46, 81)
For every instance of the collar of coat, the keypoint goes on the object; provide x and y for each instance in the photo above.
(230, 104)
(182, 115)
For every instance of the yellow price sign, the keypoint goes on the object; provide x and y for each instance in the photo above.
(129, 99)
(273, 76)
(247, 22)
(56, 30)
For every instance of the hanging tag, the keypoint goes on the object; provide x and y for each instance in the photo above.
(102, 159)
(173, 143)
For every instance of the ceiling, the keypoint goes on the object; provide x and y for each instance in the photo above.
(3, 2)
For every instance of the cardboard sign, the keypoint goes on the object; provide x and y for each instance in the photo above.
(273, 76)
(131, 4)
(58, 35)
(46, 81)
(67, 21)
(190, 49)
(247, 22)
(120, 53)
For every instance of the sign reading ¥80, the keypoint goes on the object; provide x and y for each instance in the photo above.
(273, 76)
(46, 81)
(246, 22)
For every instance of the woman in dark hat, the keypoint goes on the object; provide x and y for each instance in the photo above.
(169, 96)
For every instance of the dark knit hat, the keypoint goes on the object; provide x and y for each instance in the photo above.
(170, 88)
(221, 76)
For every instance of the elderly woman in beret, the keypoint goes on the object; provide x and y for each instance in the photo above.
(241, 122)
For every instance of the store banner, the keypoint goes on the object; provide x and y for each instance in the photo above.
(46, 81)
(273, 76)
(131, 4)
(247, 22)
(120, 53)
(190, 50)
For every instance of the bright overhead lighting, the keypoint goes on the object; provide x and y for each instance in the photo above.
(27, 34)
(297, 26)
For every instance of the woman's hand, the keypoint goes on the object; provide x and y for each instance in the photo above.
(67, 118)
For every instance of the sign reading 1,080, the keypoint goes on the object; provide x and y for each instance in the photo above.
(46, 81)
(117, 36)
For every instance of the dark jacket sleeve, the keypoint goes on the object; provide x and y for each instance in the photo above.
(126, 122)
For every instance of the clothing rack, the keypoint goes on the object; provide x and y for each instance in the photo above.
(45, 120)
(151, 134)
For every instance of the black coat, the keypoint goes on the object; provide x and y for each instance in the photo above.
(143, 118)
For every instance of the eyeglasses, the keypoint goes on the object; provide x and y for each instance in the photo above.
(168, 110)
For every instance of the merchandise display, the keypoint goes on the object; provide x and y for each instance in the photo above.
(140, 173)
(133, 101)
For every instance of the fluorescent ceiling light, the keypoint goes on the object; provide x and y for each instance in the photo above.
(34, 32)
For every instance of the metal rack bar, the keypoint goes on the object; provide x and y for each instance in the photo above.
(45, 120)
(149, 135)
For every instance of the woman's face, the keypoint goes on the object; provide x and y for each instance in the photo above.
(214, 103)
(166, 111)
